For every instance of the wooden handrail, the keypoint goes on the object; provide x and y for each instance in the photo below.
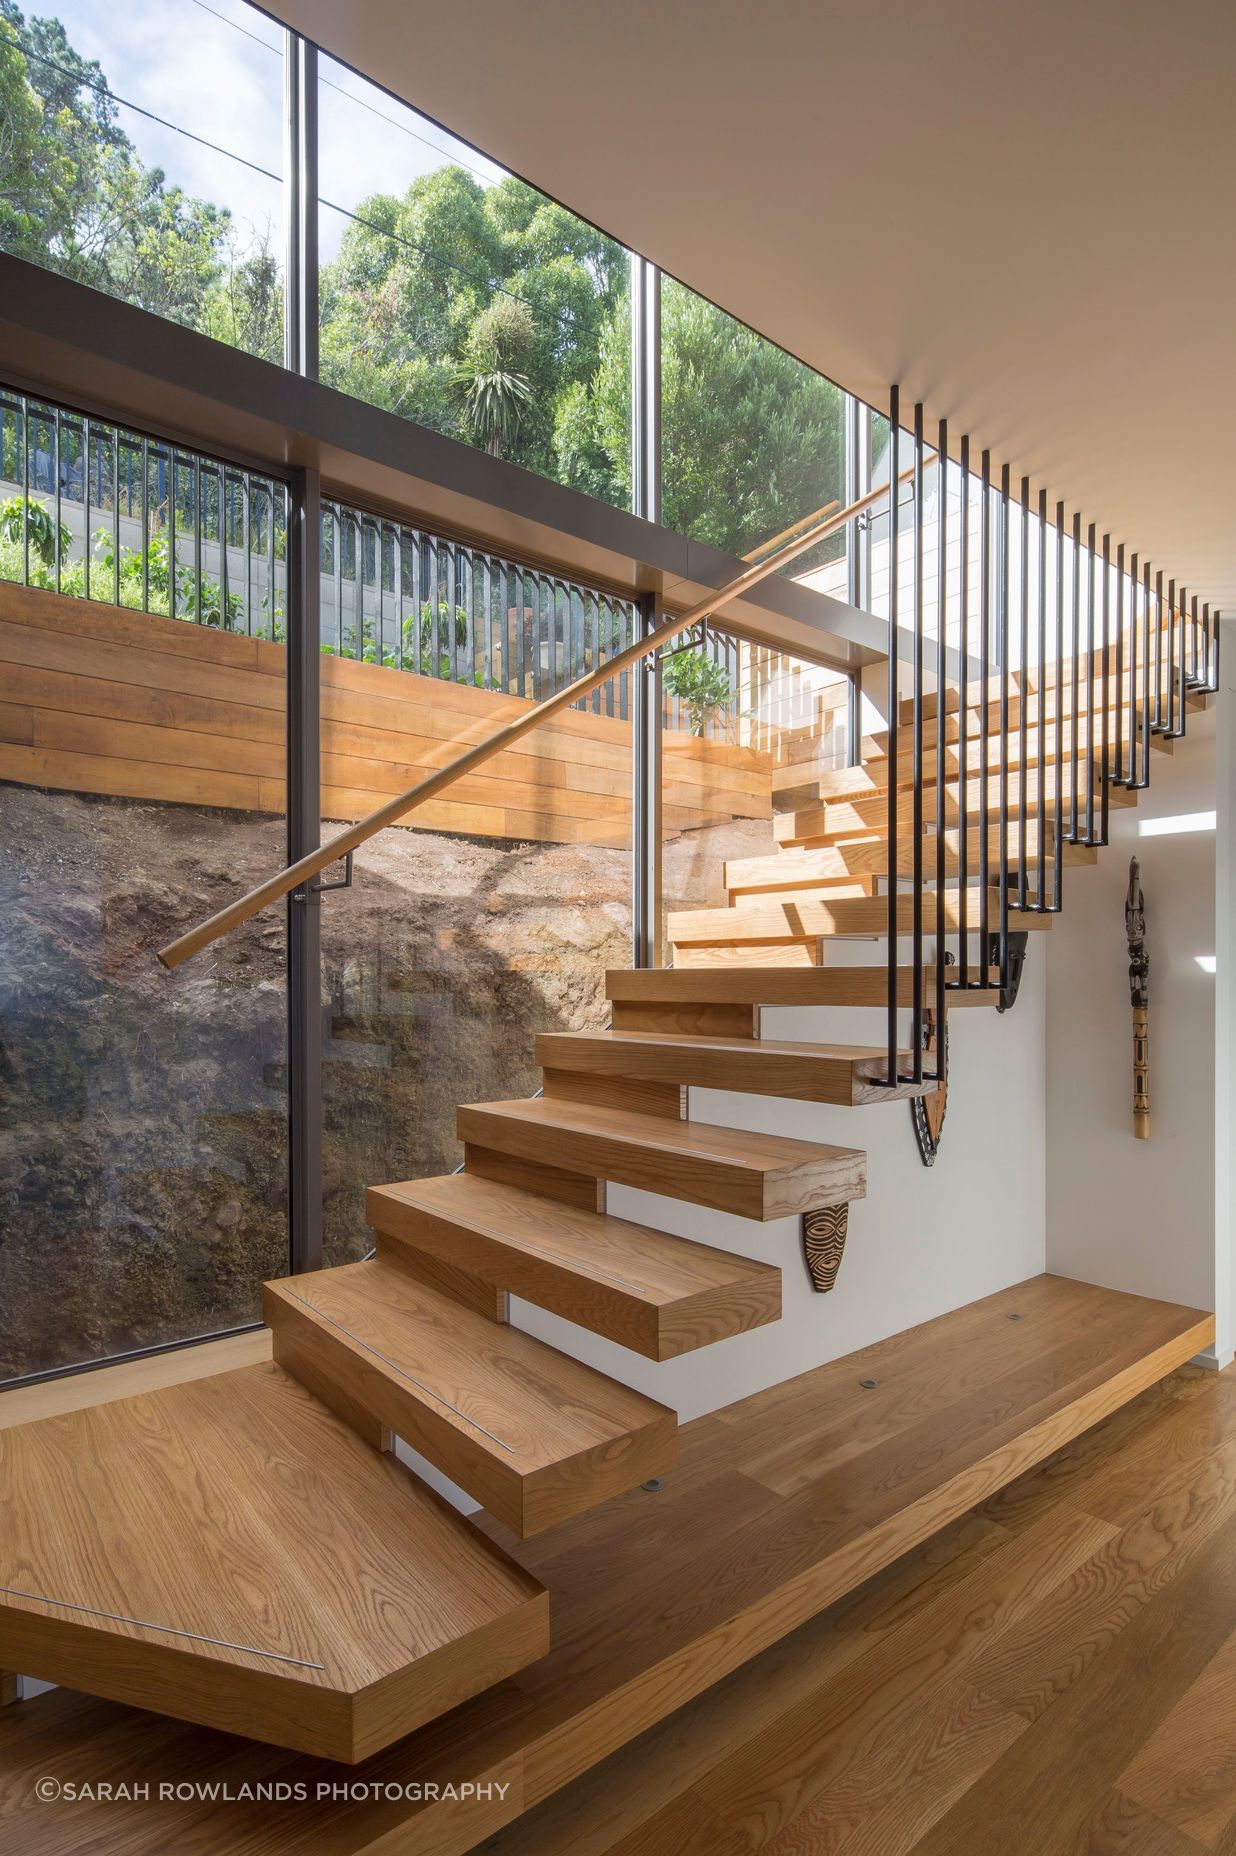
(314, 862)
(774, 541)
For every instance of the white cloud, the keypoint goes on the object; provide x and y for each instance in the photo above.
(222, 80)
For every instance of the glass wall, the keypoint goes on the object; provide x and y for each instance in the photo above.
(143, 1151)
(746, 733)
(752, 440)
(457, 296)
(143, 155)
(495, 911)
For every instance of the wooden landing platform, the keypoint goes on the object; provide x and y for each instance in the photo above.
(780, 1505)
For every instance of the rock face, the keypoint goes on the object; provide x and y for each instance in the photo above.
(143, 1115)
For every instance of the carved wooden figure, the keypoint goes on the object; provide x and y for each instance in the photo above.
(1139, 991)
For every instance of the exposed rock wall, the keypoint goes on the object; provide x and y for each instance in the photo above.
(143, 1142)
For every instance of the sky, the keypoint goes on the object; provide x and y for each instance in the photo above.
(214, 68)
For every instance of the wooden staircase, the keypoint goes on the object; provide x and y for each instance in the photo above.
(187, 1590)
(249, 1553)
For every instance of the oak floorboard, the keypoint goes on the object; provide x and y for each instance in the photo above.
(828, 1750)
(1058, 1773)
(1031, 1669)
(1185, 1774)
(730, 1618)
(612, 1800)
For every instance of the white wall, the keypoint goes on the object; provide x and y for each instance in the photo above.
(1225, 992)
(1138, 1215)
(922, 1242)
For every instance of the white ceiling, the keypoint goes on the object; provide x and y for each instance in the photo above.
(1023, 214)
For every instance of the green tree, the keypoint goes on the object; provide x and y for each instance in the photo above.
(485, 312)
(496, 387)
(751, 439)
(75, 196)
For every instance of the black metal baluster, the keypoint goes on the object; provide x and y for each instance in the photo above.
(942, 739)
(1003, 622)
(1043, 706)
(1134, 732)
(1092, 706)
(984, 737)
(1218, 633)
(1172, 617)
(894, 487)
(1144, 776)
(916, 941)
(963, 729)
(1157, 722)
(1023, 707)
(172, 601)
(1076, 722)
(57, 437)
(145, 525)
(1206, 636)
(86, 508)
(1058, 871)
(1117, 776)
(1104, 769)
(116, 520)
(198, 529)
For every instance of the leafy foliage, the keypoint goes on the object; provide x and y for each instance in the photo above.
(699, 683)
(485, 312)
(75, 196)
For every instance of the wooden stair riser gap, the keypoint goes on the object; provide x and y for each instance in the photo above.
(551, 1182)
(445, 1272)
(658, 1295)
(721, 1020)
(289, 1351)
(637, 1095)
(800, 954)
(502, 1454)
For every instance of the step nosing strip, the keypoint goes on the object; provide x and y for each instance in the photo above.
(402, 1371)
(521, 1243)
(170, 1630)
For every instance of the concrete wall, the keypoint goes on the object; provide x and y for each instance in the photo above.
(1138, 1215)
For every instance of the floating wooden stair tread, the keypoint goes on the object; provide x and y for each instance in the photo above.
(753, 921)
(873, 776)
(753, 1175)
(833, 820)
(229, 1552)
(782, 1504)
(843, 1073)
(659, 1295)
(792, 866)
(878, 742)
(529, 1432)
(1194, 699)
(772, 985)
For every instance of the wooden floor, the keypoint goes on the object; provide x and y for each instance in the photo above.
(1016, 1666)
(1053, 1675)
